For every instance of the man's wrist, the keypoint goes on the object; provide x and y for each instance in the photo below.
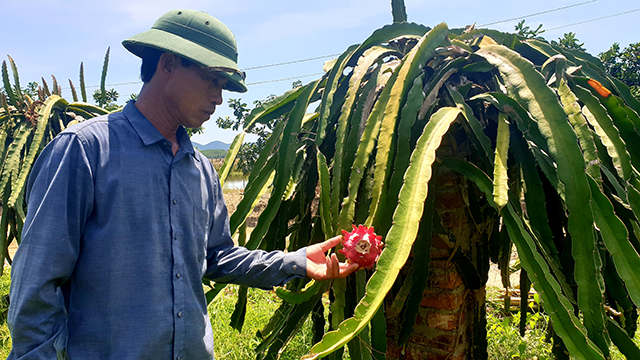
(296, 263)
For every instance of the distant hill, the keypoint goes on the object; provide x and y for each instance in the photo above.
(214, 145)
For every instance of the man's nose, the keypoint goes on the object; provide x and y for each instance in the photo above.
(216, 96)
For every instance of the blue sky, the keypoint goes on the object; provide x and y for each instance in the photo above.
(53, 37)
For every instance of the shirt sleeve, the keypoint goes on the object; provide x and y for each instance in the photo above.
(59, 197)
(227, 263)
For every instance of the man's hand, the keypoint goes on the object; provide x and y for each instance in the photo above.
(321, 267)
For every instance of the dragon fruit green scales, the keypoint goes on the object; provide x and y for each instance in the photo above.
(361, 246)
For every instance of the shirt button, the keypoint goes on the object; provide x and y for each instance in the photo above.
(294, 267)
(180, 313)
(178, 275)
(179, 357)
(175, 201)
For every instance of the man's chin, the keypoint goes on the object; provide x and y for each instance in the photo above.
(194, 125)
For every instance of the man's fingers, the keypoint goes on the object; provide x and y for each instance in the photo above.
(331, 242)
(346, 269)
(333, 268)
(349, 266)
(328, 244)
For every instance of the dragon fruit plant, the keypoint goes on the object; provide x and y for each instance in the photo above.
(362, 246)
(406, 108)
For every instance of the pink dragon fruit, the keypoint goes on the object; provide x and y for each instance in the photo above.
(361, 246)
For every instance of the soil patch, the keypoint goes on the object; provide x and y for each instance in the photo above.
(232, 198)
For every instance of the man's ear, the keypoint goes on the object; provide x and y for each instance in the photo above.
(167, 64)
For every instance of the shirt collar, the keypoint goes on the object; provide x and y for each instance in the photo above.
(149, 134)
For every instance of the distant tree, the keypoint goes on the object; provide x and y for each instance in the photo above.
(31, 89)
(624, 64)
(569, 41)
(526, 31)
(107, 99)
(194, 131)
(249, 151)
(214, 153)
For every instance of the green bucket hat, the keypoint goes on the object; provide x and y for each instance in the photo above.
(196, 36)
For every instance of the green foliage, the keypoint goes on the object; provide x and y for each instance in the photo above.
(101, 96)
(234, 345)
(526, 31)
(624, 65)
(27, 124)
(214, 153)
(569, 41)
(505, 341)
(31, 89)
(106, 99)
(534, 119)
(249, 151)
(83, 89)
(398, 10)
(5, 337)
(194, 131)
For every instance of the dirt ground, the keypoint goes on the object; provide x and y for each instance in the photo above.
(495, 280)
(12, 249)
(232, 198)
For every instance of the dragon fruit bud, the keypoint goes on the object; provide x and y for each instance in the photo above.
(361, 246)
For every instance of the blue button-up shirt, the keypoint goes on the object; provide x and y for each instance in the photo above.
(118, 237)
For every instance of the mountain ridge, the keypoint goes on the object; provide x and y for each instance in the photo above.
(213, 145)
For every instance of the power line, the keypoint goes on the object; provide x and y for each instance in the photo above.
(587, 21)
(538, 13)
(118, 84)
(295, 61)
(291, 78)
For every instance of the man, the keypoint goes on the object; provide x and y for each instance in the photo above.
(125, 218)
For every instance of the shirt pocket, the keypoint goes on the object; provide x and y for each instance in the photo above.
(200, 232)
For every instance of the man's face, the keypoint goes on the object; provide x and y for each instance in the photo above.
(194, 94)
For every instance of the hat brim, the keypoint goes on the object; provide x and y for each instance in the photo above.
(162, 40)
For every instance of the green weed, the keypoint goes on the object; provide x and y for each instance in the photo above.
(229, 344)
(503, 337)
(5, 337)
(504, 341)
